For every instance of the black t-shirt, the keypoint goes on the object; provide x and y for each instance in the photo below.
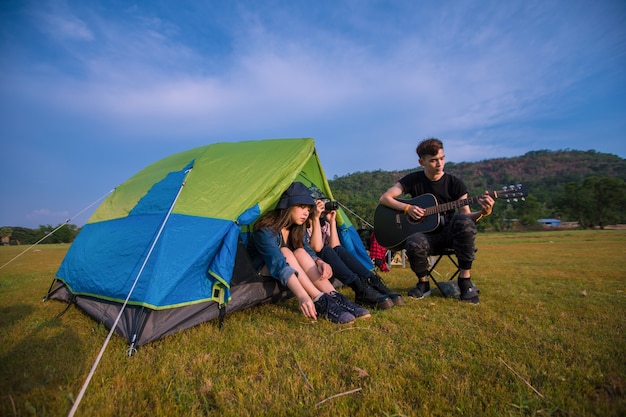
(447, 188)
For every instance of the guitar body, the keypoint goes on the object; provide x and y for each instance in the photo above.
(392, 227)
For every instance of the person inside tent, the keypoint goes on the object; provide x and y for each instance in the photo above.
(323, 238)
(277, 245)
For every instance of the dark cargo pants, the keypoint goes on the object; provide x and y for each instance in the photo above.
(459, 233)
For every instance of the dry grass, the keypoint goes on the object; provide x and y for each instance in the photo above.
(547, 339)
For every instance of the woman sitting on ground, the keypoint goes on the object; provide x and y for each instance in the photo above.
(277, 244)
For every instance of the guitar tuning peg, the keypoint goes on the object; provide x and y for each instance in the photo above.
(515, 200)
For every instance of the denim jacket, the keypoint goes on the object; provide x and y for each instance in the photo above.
(264, 249)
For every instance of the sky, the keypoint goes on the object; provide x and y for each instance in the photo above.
(91, 92)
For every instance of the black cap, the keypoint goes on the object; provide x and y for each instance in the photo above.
(297, 193)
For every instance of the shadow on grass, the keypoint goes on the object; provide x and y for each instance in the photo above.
(11, 314)
(32, 361)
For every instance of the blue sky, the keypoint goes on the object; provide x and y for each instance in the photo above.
(93, 91)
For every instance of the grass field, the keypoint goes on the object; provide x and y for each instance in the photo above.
(548, 339)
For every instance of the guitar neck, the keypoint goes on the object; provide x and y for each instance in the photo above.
(440, 208)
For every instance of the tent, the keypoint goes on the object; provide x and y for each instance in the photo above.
(170, 241)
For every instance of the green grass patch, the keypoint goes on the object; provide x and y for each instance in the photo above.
(548, 339)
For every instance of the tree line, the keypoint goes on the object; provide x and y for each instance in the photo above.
(24, 236)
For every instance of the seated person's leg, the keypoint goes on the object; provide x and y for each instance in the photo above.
(308, 264)
(325, 305)
(303, 278)
(364, 293)
(386, 298)
(310, 268)
(340, 270)
(418, 251)
(350, 261)
(463, 238)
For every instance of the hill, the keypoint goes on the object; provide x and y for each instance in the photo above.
(544, 173)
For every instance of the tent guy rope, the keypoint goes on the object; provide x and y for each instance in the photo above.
(106, 342)
(356, 215)
(57, 228)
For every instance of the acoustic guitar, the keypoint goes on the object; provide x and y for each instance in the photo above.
(393, 227)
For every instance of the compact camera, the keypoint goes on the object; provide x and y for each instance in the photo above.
(331, 205)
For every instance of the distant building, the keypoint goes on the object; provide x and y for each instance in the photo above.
(550, 222)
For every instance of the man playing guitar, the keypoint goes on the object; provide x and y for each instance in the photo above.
(457, 229)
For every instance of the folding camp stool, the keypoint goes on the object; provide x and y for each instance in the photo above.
(449, 289)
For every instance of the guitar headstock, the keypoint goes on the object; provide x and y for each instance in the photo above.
(512, 192)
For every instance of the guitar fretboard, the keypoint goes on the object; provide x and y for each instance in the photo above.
(440, 208)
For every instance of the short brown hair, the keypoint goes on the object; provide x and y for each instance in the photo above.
(429, 146)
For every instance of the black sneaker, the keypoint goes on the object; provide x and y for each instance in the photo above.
(355, 310)
(329, 309)
(378, 284)
(470, 295)
(421, 290)
(366, 295)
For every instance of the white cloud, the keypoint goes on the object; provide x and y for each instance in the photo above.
(61, 24)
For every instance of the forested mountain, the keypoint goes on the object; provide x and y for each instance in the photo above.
(557, 182)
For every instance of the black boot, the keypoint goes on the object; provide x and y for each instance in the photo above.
(377, 283)
(365, 295)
